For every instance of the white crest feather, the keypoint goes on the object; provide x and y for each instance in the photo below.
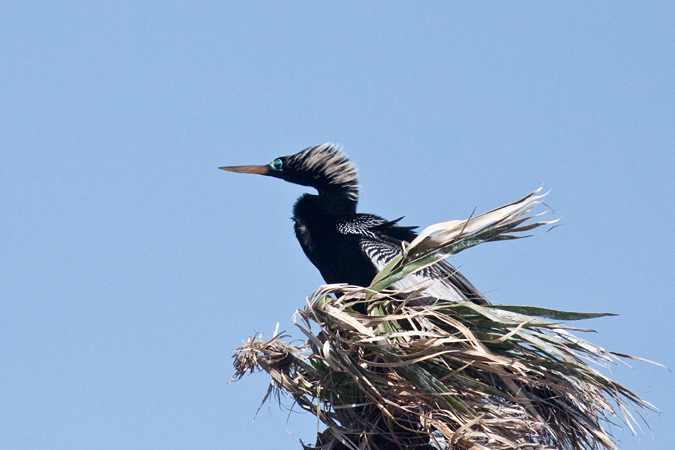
(328, 161)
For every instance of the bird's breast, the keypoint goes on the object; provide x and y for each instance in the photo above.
(338, 256)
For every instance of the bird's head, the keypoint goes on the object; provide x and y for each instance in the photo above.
(323, 167)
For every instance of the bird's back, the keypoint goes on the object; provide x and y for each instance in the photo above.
(352, 249)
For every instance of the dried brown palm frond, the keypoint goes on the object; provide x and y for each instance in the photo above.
(446, 375)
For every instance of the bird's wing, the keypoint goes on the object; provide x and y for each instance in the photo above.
(442, 281)
(381, 242)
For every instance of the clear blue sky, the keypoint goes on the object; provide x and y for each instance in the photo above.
(131, 268)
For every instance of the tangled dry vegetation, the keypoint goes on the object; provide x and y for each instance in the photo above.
(446, 375)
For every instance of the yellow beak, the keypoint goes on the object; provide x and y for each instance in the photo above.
(262, 170)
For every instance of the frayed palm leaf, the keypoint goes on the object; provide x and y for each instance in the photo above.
(446, 375)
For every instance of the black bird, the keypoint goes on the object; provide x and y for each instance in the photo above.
(345, 246)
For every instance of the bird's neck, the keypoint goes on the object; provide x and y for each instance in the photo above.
(326, 205)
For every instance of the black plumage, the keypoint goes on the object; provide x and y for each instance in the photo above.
(345, 246)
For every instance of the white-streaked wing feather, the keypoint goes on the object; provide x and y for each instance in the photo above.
(441, 280)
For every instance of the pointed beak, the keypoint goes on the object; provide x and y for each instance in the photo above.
(262, 170)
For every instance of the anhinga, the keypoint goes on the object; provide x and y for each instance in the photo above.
(345, 246)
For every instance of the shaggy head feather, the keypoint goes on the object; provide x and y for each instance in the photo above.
(324, 167)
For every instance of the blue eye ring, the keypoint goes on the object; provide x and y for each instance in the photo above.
(277, 165)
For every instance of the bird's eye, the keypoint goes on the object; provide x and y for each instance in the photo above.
(277, 165)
